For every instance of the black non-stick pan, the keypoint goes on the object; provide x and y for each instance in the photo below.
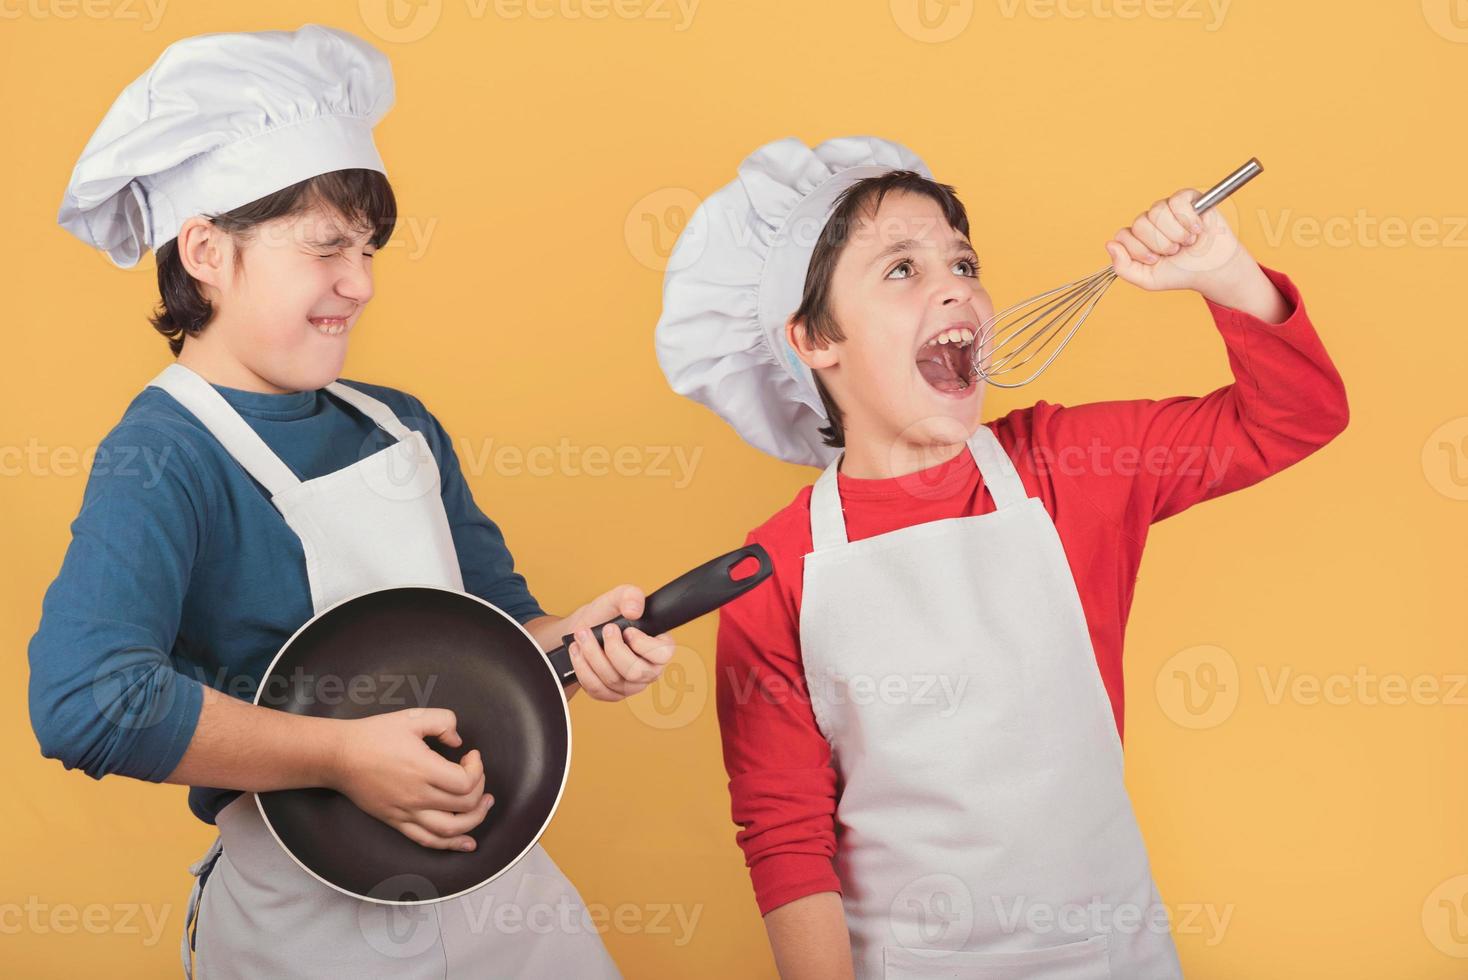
(417, 646)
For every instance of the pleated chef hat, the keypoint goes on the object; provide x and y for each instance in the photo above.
(738, 272)
(221, 120)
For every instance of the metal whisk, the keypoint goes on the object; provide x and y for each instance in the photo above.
(1040, 319)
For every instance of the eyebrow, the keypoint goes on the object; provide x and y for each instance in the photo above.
(909, 244)
(339, 238)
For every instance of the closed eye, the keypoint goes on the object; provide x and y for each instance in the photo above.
(327, 255)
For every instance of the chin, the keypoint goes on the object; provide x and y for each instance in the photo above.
(320, 379)
(946, 420)
(308, 376)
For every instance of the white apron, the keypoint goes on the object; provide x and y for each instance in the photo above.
(983, 827)
(377, 523)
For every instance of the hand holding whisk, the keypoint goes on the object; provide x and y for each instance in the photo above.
(1012, 338)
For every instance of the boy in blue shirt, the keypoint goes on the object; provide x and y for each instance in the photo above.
(262, 490)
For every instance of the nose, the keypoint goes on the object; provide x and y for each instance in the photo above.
(356, 282)
(955, 290)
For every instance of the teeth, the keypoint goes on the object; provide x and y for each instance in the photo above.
(330, 327)
(958, 335)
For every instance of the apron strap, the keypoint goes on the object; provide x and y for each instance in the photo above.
(234, 433)
(373, 409)
(224, 423)
(997, 469)
(200, 870)
(828, 523)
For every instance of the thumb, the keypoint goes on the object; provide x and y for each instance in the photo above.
(624, 600)
(630, 600)
(440, 723)
(1214, 221)
(1122, 263)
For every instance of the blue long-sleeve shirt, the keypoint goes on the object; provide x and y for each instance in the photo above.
(180, 572)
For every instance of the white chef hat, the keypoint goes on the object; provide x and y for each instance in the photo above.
(738, 272)
(221, 120)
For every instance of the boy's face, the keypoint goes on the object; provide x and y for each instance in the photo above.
(906, 295)
(288, 311)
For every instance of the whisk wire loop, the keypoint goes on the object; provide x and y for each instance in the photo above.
(1003, 344)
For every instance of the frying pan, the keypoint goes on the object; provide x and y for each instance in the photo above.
(423, 646)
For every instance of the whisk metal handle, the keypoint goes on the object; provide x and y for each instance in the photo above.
(1229, 184)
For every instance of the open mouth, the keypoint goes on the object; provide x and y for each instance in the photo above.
(946, 361)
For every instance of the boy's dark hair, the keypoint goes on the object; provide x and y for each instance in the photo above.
(363, 197)
(862, 199)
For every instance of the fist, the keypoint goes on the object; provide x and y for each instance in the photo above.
(383, 765)
(1171, 246)
(612, 664)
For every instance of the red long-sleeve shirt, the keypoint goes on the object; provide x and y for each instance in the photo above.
(1106, 471)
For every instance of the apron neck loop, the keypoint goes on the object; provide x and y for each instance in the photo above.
(372, 408)
(828, 524)
(997, 469)
(191, 391)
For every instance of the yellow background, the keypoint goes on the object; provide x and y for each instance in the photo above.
(534, 156)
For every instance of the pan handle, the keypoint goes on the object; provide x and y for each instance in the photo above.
(682, 600)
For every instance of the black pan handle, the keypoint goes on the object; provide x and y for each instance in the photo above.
(682, 600)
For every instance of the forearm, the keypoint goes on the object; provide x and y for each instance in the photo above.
(809, 938)
(1241, 285)
(238, 745)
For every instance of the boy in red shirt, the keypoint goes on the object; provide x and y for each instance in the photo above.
(922, 717)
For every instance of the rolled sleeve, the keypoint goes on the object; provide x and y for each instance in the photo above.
(104, 693)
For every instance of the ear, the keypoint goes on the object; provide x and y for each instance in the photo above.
(803, 344)
(207, 253)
